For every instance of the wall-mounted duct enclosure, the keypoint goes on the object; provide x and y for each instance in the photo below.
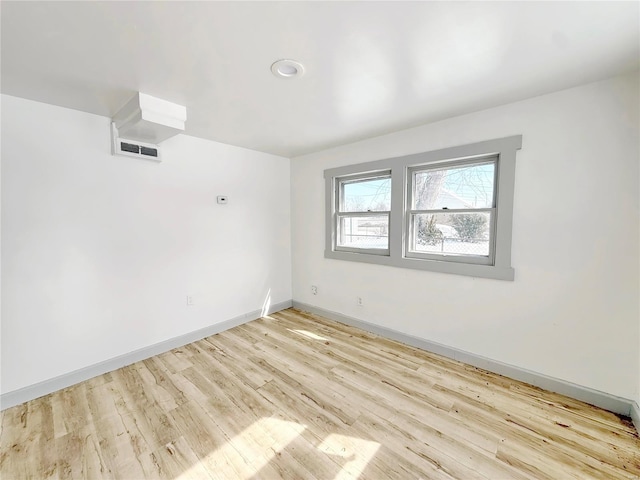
(144, 122)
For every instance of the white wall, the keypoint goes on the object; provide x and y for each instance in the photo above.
(99, 252)
(572, 311)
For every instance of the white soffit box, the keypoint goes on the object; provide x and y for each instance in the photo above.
(149, 119)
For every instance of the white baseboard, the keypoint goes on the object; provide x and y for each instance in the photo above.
(40, 389)
(635, 415)
(600, 399)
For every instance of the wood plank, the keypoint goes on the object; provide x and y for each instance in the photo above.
(210, 443)
(177, 460)
(337, 439)
(572, 427)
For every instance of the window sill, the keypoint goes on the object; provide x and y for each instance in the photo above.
(455, 268)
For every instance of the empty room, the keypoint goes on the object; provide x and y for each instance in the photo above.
(320, 240)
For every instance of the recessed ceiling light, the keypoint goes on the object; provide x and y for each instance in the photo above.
(287, 69)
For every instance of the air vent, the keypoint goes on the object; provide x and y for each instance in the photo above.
(150, 152)
(144, 122)
(130, 147)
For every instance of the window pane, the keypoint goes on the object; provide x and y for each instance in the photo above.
(364, 232)
(452, 233)
(366, 195)
(467, 186)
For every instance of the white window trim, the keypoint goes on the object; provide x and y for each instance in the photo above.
(504, 148)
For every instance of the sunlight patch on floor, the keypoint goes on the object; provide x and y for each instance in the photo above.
(306, 333)
(246, 454)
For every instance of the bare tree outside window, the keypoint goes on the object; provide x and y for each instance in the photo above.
(444, 200)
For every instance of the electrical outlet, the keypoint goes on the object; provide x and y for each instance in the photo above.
(189, 300)
(314, 289)
(359, 301)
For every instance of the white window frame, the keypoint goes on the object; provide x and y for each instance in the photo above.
(498, 266)
(339, 183)
(410, 212)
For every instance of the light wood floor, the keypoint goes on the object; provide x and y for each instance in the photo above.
(299, 397)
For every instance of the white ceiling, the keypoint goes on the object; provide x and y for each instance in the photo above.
(371, 67)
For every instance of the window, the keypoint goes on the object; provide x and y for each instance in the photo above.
(448, 210)
(452, 208)
(363, 208)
